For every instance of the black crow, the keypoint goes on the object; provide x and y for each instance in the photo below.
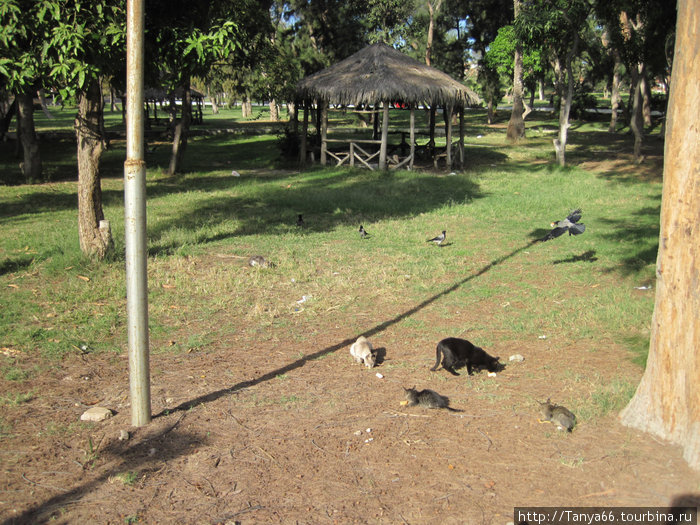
(300, 221)
(569, 224)
(439, 239)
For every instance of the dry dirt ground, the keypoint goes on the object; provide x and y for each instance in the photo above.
(296, 432)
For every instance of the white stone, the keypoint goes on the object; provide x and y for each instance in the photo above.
(96, 414)
(517, 358)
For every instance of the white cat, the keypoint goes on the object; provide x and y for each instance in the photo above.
(361, 351)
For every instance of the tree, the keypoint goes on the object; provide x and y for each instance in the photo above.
(557, 25)
(86, 41)
(667, 401)
(516, 124)
(638, 30)
(22, 29)
(500, 57)
(187, 40)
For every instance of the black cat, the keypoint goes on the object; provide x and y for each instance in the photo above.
(459, 352)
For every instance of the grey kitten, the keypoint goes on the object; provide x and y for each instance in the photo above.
(559, 415)
(361, 352)
(260, 261)
(427, 399)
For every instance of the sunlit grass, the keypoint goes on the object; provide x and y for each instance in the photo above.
(203, 224)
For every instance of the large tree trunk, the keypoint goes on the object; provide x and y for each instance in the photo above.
(615, 98)
(31, 166)
(516, 124)
(182, 130)
(95, 235)
(667, 401)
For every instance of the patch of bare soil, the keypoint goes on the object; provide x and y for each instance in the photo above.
(291, 431)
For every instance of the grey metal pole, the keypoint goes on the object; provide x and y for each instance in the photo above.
(135, 219)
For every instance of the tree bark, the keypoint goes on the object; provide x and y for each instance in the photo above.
(95, 238)
(31, 166)
(667, 401)
(615, 99)
(516, 124)
(182, 130)
(42, 101)
(274, 111)
(432, 10)
(636, 117)
(565, 105)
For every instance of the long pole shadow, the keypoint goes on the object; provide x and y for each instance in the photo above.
(213, 396)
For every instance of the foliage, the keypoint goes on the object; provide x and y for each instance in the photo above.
(500, 56)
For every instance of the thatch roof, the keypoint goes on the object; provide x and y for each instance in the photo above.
(159, 94)
(379, 73)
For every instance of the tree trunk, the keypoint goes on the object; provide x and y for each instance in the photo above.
(214, 104)
(274, 111)
(432, 10)
(565, 106)
(645, 89)
(667, 401)
(636, 117)
(31, 166)
(615, 95)
(182, 130)
(248, 106)
(95, 238)
(44, 108)
(7, 118)
(490, 112)
(516, 124)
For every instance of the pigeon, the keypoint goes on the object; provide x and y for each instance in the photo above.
(439, 239)
(300, 221)
(363, 232)
(569, 224)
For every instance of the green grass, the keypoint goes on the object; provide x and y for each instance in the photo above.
(54, 302)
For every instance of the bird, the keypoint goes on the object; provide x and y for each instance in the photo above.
(300, 221)
(363, 233)
(569, 224)
(439, 239)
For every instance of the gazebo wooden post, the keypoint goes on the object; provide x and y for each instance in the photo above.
(461, 137)
(375, 121)
(304, 131)
(412, 135)
(448, 135)
(385, 137)
(324, 130)
(431, 125)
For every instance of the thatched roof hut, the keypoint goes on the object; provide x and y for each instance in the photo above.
(379, 74)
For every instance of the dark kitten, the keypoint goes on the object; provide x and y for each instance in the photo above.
(557, 414)
(427, 399)
(459, 352)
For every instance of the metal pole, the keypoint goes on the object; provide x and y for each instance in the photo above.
(135, 219)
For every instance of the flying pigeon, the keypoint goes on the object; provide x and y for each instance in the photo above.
(363, 233)
(569, 224)
(439, 239)
(300, 221)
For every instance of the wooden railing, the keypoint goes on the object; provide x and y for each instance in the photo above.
(357, 154)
